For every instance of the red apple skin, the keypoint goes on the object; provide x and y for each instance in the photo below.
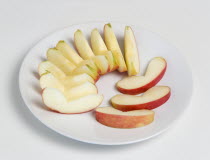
(150, 105)
(122, 121)
(98, 77)
(144, 88)
(113, 69)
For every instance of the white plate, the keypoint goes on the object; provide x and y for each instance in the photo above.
(84, 127)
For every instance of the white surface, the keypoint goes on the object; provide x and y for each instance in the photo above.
(23, 23)
(84, 127)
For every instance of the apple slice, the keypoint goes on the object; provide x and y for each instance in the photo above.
(68, 52)
(90, 63)
(56, 101)
(99, 48)
(131, 52)
(88, 70)
(113, 46)
(47, 66)
(49, 80)
(82, 45)
(75, 80)
(112, 64)
(97, 43)
(102, 64)
(139, 84)
(111, 117)
(81, 90)
(55, 56)
(70, 90)
(152, 98)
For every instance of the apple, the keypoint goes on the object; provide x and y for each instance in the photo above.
(113, 46)
(111, 117)
(131, 52)
(139, 84)
(88, 70)
(69, 53)
(97, 43)
(47, 66)
(74, 80)
(152, 98)
(49, 80)
(90, 63)
(56, 57)
(56, 101)
(102, 64)
(81, 90)
(99, 48)
(82, 45)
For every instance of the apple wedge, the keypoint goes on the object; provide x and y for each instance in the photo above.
(139, 84)
(72, 90)
(131, 52)
(81, 90)
(56, 101)
(56, 57)
(91, 64)
(97, 43)
(152, 98)
(47, 66)
(75, 80)
(111, 117)
(69, 53)
(99, 48)
(113, 46)
(102, 64)
(82, 45)
(50, 81)
(88, 70)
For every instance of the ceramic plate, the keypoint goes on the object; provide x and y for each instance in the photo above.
(84, 127)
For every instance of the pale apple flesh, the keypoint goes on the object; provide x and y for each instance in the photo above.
(97, 43)
(74, 80)
(139, 84)
(49, 80)
(56, 57)
(102, 64)
(81, 90)
(91, 64)
(82, 45)
(69, 53)
(111, 117)
(113, 46)
(99, 48)
(152, 98)
(112, 64)
(131, 52)
(73, 87)
(56, 101)
(88, 70)
(47, 66)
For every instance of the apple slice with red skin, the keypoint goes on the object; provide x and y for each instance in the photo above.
(152, 98)
(139, 84)
(56, 101)
(111, 117)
